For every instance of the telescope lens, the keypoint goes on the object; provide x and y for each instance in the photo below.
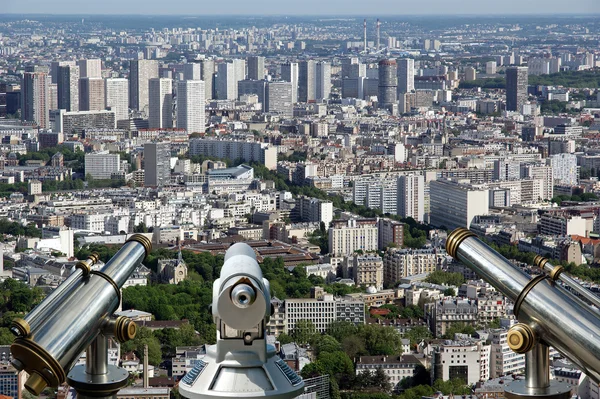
(243, 296)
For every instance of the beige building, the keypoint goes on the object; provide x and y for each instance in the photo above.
(172, 271)
(348, 236)
(400, 263)
(368, 271)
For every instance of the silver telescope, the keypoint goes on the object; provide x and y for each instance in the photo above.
(548, 315)
(77, 317)
(241, 365)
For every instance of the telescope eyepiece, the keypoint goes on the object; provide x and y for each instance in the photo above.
(243, 296)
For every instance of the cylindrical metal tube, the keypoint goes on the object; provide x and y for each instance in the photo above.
(557, 318)
(49, 304)
(537, 367)
(96, 359)
(570, 282)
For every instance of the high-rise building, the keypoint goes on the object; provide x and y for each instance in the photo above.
(411, 197)
(503, 361)
(228, 75)
(91, 94)
(54, 68)
(160, 110)
(116, 96)
(192, 71)
(314, 210)
(191, 106)
(307, 73)
(564, 169)
(516, 88)
(34, 98)
(388, 83)
(323, 84)
(406, 75)
(279, 99)
(141, 71)
(470, 74)
(157, 164)
(289, 73)
(91, 68)
(348, 236)
(230, 149)
(208, 76)
(352, 68)
(68, 88)
(490, 68)
(256, 68)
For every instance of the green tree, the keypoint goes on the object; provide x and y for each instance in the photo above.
(143, 337)
(449, 292)
(445, 278)
(283, 339)
(304, 332)
(459, 328)
(380, 340)
(417, 334)
(325, 344)
(6, 337)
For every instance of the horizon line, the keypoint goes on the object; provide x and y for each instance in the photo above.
(309, 15)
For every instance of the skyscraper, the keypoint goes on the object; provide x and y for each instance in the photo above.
(229, 74)
(54, 68)
(323, 83)
(157, 164)
(279, 99)
(388, 83)
(256, 68)
(289, 73)
(208, 76)
(411, 197)
(91, 94)
(516, 88)
(90, 68)
(141, 71)
(406, 75)
(116, 94)
(68, 87)
(191, 106)
(34, 98)
(160, 109)
(192, 71)
(258, 87)
(307, 73)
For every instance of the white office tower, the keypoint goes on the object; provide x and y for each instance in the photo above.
(91, 94)
(90, 68)
(406, 75)
(256, 68)
(411, 197)
(307, 76)
(68, 87)
(160, 110)
(564, 169)
(289, 73)
(228, 76)
(453, 204)
(191, 106)
(116, 95)
(192, 71)
(157, 164)
(35, 98)
(141, 71)
(279, 99)
(323, 85)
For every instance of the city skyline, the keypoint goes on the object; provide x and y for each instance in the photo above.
(309, 7)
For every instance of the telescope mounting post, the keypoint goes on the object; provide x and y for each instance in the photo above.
(97, 379)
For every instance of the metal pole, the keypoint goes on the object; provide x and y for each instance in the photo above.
(537, 367)
(96, 360)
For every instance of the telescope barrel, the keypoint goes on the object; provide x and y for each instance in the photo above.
(56, 343)
(22, 327)
(557, 318)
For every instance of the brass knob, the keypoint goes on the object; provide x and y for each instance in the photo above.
(555, 272)
(521, 338)
(125, 329)
(35, 384)
(20, 328)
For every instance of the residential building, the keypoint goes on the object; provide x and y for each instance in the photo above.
(157, 164)
(368, 271)
(348, 236)
(116, 95)
(455, 205)
(90, 68)
(235, 149)
(160, 103)
(406, 75)
(68, 88)
(467, 360)
(289, 73)
(314, 210)
(279, 99)
(400, 263)
(442, 314)
(78, 121)
(35, 98)
(516, 88)
(191, 106)
(323, 80)
(307, 75)
(396, 368)
(102, 165)
(228, 75)
(503, 361)
(91, 94)
(411, 197)
(391, 233)
(256, 68)
(141, 71)
(323, 311)
(564, 169)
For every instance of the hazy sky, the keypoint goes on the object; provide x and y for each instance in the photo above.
(301, 7)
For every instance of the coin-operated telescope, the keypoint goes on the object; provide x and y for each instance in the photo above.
(241, 364)
(78, 316)
(548, 314)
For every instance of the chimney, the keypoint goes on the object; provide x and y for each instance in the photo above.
(146, 379)
(365, 34)
(378, 31)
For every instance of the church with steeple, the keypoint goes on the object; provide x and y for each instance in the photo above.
(172, 271)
